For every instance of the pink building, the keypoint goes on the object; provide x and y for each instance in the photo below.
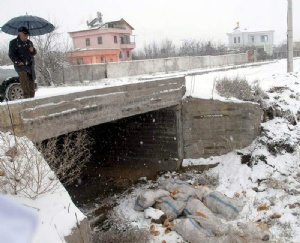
(100, 42)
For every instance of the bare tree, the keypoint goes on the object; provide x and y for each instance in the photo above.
(151, 50)
(192, 47)
(67, 155)
(168, 48)
(24, 170)
(282, 47)
(163, 49)
(4, 59)
(188, 47)
(51, 56)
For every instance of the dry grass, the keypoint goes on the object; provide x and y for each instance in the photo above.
(239, 88)
(25, 172)
(67, 155)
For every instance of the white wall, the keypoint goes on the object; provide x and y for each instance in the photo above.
(132, 68)
(149, 66)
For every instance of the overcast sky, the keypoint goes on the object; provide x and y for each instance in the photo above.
(158, 19)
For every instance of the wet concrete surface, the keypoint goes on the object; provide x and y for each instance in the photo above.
(97, 192)
(103, 182)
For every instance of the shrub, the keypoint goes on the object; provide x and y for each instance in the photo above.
(239, 88)
(67, 155)
(24, 170)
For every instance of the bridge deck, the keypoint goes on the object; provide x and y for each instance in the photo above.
(43, 118)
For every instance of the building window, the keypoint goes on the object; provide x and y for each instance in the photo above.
(79, 61)
(87, 42)
(264, 38)
(100, 40)
(252, 39)
(237, 40)
(128, 54)
(120, 55)
(103, 59)
(111, 60)
(115, 39)
(122, 40)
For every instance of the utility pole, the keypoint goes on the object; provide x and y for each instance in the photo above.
(290, 37)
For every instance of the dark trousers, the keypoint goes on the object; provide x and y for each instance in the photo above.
(27, 84)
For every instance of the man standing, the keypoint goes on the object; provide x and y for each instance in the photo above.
(21, 52)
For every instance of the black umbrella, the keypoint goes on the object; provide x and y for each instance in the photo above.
(35, 25)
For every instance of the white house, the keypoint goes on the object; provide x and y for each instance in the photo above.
(262, 39)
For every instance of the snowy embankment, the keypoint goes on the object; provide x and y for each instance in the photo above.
(266, 174)
(37, 207)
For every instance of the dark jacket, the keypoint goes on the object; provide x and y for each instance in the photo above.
(19, 52)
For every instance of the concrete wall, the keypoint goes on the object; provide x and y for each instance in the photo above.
(79, 73)
(211, 128)
(150, 66)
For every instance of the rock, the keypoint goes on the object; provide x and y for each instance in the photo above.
(266, 238)
(246, 159)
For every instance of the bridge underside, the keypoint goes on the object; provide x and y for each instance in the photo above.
(147, 141)
(128, 149)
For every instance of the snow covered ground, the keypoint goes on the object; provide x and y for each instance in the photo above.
(32, 195)
(270, 176)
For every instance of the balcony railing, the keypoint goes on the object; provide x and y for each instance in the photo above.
(128, 43)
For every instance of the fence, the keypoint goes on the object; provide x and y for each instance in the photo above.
(283, 54)
(80, 73)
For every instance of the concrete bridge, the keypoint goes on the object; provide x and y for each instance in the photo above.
(155, 126)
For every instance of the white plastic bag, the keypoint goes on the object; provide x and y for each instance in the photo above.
(171, 208)
(221, 204)
(172, 184)
(144, 200)
(190, 230)
(196, 210)
(202, 192)
(182, 197)
(159, 193)
(178, 186)
(147, 198)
